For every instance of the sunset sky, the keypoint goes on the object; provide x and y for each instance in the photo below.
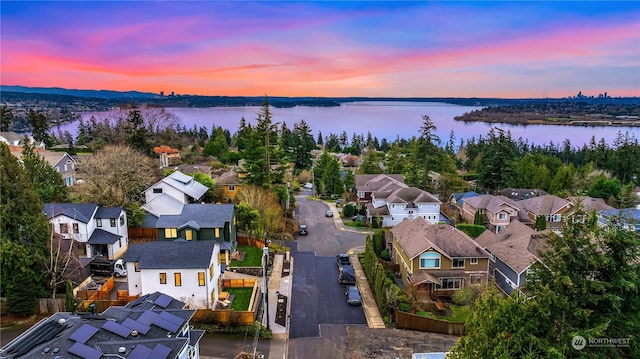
(326, 48)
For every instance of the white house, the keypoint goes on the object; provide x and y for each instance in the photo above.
(403, 203)
(95, 230)
(187, 270)
(169, 192)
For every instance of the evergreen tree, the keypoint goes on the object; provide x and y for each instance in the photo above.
(327, 175)
(541, 223)
(497, 160)
(370, 163)
(39, 126)
(138, 136)
(320, 140)
(218, 145)
(47, 182)
(6, 117)
(302, 145)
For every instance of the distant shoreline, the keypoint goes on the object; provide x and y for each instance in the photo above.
(580, 121)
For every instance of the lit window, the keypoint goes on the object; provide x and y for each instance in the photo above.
(163, 278)
(201, 279)
(136, 266)
(170, 233)
(458, 263)
(188, 234)
(177, 277)
(217, 232)
(430, 260)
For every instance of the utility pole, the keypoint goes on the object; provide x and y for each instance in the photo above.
(265, 296)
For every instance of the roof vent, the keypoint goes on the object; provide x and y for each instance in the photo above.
(122, 350)
(134, 333)
(62, 321)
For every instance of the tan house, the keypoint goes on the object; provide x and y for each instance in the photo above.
(497, 211)
(553, 208)
(438, 259)
(229, 182)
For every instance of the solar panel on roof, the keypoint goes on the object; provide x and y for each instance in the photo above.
(166, 325)
(147, 317)
(83, 333)
(116, 328)
(136, 325)
(163, 300)
(160, 352)
(84, 352)
(140, 352)
(171, 317)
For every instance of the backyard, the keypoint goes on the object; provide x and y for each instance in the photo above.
(241, 298)
(250, 257)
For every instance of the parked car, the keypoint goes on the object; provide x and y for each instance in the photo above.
(359, 218)
(329, 213)
(339, 202)
(353, 295)
(343, 259)
(308, 185)
(303, 230)
(346, 275)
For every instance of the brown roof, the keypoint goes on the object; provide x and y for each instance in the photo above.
(417, 235)
(230, 177)
(543, 205)
(380, 211)
(491, 202)
(589, 204)
(411, 195)
(512, 245)
(371, 183)
(190, 168)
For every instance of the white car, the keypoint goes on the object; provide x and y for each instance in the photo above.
(329, 213)
(308, 185)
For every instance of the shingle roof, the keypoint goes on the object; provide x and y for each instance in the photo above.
(229, 177)
(417, 235)
(411, 195)
(512, 245)
(108, 212)
(186, 184)
(178, 254)
(589, 203)
(100, 236)
(82, 212)
(460, 197)
(372, 183)
(491, 203)
(544, 205)
(204, 215)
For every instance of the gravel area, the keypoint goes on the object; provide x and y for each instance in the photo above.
(394, 343)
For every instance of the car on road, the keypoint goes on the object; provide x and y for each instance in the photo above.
(343, 259)
(353, 295)
(346, 275)
(303, 230)
(329, 213)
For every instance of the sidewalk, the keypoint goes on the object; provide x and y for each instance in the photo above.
(337, 220)
(279, 284)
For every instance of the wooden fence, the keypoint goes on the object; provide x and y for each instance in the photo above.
(416, 322)
(238, 283)
(141, 235)
(228, 316)
(43, 306)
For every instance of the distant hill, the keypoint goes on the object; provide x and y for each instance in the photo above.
(103, 94)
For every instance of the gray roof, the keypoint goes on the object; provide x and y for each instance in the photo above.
(178, 254)
(109, 212)
(163, 204)
(545, 205)
(186, 184)
(82, 212)
(66, 331)
(513, 245)
(411, 195)
(100, 236)
(589, 204)
(522, 193)
(372, 183)
(418, 235)
(204, 215)
(228, 178)
(461, 196)
(492, 203)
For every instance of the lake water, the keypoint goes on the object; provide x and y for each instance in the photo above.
(384, 120)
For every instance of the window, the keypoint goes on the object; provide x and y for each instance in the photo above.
(157, 190)
(136, 266)
(451, 283)
(556, 217)
(458, 263)
(493, 256)
(232, 188)
(163, 278)
(217, 232)
(177, 277)
(475, 279)
(188, 234)
(112, 222)
(474, 260)
(76, 228)
(98, 222)
(64, 228)
(430, 260)
(360, 194)
(170, 233)
(500, 229)
(502, 216)
(201, 279)
(211, 270)
(122, 220)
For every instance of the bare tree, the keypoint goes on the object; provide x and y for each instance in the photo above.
(266, 203)
(61, 262)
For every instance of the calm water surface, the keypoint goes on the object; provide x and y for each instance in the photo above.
(384, 120)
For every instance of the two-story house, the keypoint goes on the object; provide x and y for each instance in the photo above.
(553, 208)
(96, 231)
(187, 270)
(167, 195)
(628, 218)
(62, 162)
(229, 183)
(403, 203)
(497, 211)
(513, 252)
(366, 184)
(438, 258)
(153, 326)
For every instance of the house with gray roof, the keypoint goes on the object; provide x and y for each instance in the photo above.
(96, 231)
(437, 259)
(187, 270)
(497, 211)
(554, 209)
(513, 252)
(366, 184)
(628, 218)
(169, 193)
(399, 203)
(153, 326)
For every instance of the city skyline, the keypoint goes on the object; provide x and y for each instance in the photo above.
(328, 49)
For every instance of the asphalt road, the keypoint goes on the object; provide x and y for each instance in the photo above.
(319, 311)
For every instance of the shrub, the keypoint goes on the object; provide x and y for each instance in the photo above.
(385, 255)
(425, 314)
(472, 230)
(349, 210)
(378, 242)
(464, 296)
(404, 307)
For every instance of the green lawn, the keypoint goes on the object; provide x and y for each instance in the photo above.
(252, 257)
(460, 314)
(241, 298)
